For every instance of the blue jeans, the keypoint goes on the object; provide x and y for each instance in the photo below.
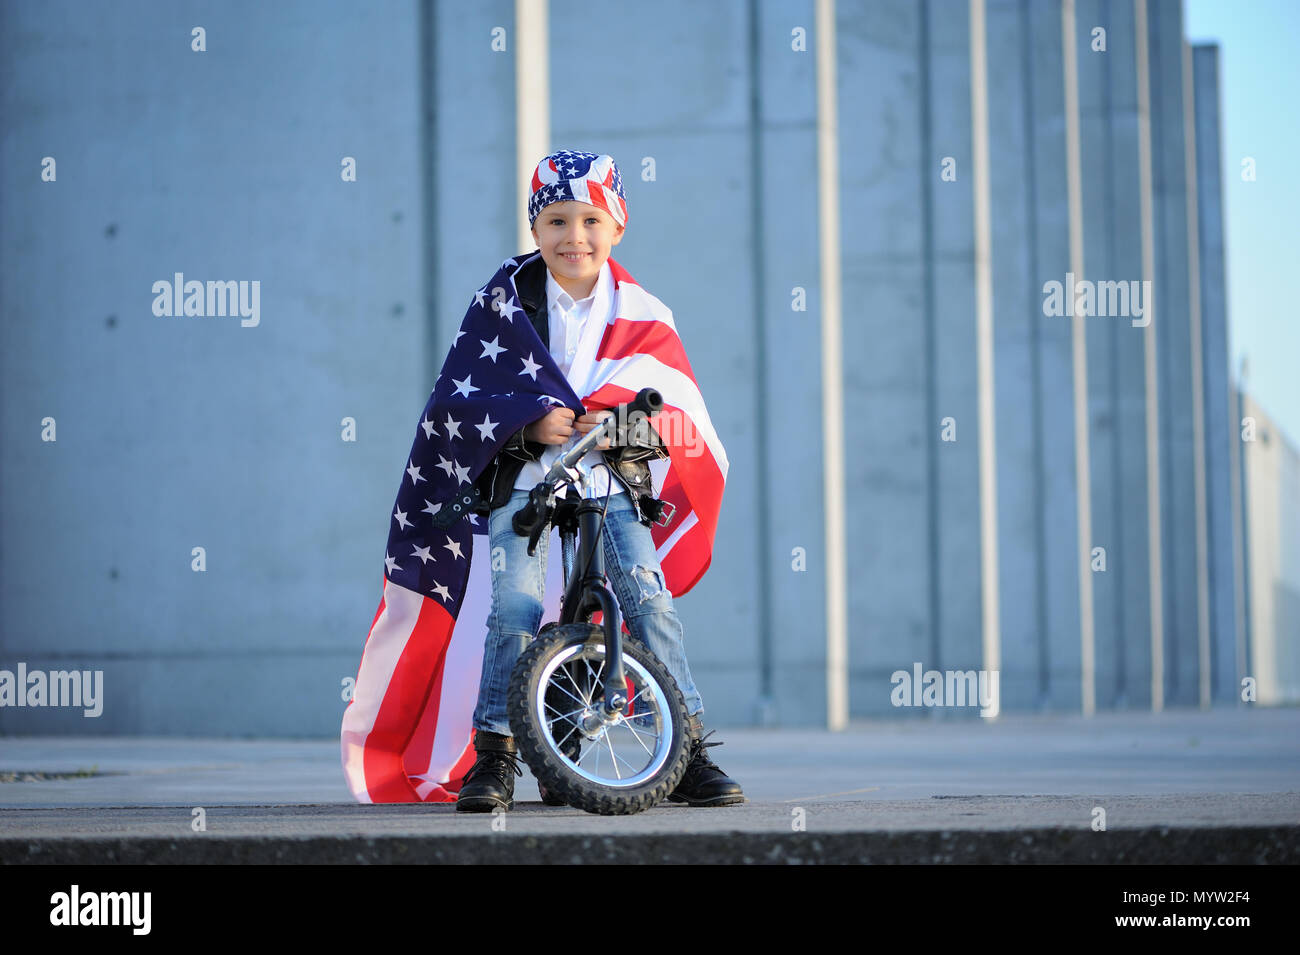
(519, 589)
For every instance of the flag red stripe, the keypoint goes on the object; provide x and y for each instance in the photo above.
(688, 560)
(421, 741)
(699, 473)
(596, 196)
(693, 483)
(462, 767)
(404, 702)
(624, 337)
(620, 274)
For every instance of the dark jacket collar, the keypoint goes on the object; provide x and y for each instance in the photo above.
(530, 282)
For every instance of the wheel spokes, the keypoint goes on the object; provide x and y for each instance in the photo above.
(576, 678)
(637, 736)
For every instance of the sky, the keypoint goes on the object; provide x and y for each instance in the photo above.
(1259, 77)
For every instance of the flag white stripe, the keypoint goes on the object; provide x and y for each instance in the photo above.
(688, 522)
(383, 650)
(634, 371)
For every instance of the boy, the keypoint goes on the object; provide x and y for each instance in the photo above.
(578, 212)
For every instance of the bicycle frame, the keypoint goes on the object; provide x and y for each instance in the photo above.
(584, 589)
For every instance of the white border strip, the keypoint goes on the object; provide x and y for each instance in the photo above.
(828, 208)
(1156, 566)
(1079, 356)
(532, 103)
(984, 345)
(1198, 381)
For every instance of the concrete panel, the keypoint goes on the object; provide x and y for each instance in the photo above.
(953, 370)
(687, 242)
(1037, 491)
(1221, 432)
(1171, 288)
(469, 97)
(187, 432)
(1108, 108)
(790, 403)
(889, 427)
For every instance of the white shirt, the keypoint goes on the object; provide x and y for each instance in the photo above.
(575, 326)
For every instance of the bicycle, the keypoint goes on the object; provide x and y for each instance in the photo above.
(580, 693)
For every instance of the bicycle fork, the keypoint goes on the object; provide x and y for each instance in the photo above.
(585, 592)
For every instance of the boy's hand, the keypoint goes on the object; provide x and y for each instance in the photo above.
(591, 420)
(555, 428)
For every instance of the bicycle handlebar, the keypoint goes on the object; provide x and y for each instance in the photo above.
(531, 520)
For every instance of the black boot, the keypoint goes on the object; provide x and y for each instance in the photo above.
(704, 783)
(490, 784)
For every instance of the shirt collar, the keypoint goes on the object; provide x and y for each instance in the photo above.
(600, 292)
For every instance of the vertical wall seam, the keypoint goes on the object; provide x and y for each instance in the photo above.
(763, 510)
(928, 345)
(431, 273)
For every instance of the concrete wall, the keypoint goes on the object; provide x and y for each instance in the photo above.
(788, 588)
(722, 202)
(908, 342)
(187, 432)
(1174, 336)
(1117, 383)
(1037, 488)
(1222, 438)
(176, 433)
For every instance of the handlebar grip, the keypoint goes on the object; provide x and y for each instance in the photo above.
(648, 401)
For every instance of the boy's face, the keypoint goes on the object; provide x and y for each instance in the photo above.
(575, 239)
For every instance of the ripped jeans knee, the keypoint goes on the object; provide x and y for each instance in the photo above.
(649, 583)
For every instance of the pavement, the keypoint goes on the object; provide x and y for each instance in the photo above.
(1200, 787)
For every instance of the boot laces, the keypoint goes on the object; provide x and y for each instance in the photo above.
(496, 763)
(699, 758)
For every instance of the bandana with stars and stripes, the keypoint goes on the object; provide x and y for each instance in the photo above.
(569, 176)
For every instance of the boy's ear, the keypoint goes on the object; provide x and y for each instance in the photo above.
(618, 235)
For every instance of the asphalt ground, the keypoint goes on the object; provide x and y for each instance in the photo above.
(1195, 787)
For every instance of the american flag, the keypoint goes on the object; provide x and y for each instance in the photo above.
(407, 733)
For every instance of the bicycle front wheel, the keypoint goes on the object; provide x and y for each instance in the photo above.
(610, 767)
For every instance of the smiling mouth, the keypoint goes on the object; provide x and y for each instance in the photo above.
(575, 256)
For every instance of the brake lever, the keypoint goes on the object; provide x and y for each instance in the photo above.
(532, 518)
